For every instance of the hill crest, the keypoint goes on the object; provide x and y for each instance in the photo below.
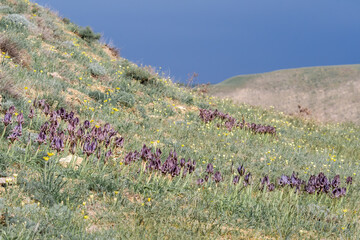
(331, 93)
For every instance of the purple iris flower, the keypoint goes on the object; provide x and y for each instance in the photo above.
(336, 181)
(41, 138)
(7, 119)
(86, 124)
(108, 154)
(46, 109)
(40, 103)
(17, 129)
(80, 133)
(236, 179)
(31, 113)
(182, 162)
(206, 178)
(119, 142)
(310, 189)
(14, 136)
(107, 127)
(11, 110)
(241, 170)
(89, 147)
(210, 169)
(338, 192)
(57, 144)
(265, 181)
(200, 181)
(158, 153)
(284, 180)
(20, 118)
(70, 128)
(271, 187)
(247, 179)
(349, 180)
(75, 121)
(217, 177)
(70, 116)
(72, 147)
(62, 113)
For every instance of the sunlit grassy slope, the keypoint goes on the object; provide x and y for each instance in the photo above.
(331, 93)
(103, 197)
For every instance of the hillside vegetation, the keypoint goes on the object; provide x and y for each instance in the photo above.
(93, 146)
(330, 93)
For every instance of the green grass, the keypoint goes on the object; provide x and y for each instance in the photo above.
(111, 200)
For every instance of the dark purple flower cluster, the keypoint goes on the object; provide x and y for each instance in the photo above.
(265, 182)
(76, 135)
(208, 173)
(16, 132)
(230, 122)
(318, 184)
(241, 171)
(8, 116)
(217, 177)
(7, 119)
(171, 165)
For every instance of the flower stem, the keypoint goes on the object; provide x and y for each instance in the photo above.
(3, 134)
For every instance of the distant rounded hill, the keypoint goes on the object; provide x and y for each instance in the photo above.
(328, 93)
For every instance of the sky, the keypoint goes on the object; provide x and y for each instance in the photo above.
(220, 39)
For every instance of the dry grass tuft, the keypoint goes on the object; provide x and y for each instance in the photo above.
(8, 87)
(44, 31)
(20, 56)
(115, 52)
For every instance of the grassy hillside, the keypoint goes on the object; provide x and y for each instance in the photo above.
(73, 165)
(330, 93)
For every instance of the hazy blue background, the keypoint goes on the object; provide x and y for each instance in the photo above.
(222, 38)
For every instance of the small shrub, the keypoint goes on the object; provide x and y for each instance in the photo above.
(66, 20)
(139, 74)
(17, 21)
(68, 44)
(36, 10)
(97, 95)
(142, 111)
(97, 70)
(124, 98)
(86, 33)
(100, 183)
(21, 7)
(6, 105)
(48, 189)
(6, 9)
(187, 99)
(203, 105)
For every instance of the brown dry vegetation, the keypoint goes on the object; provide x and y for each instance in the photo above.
(8, 87)
(11, 48)
(328, 93)
(111, 51)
